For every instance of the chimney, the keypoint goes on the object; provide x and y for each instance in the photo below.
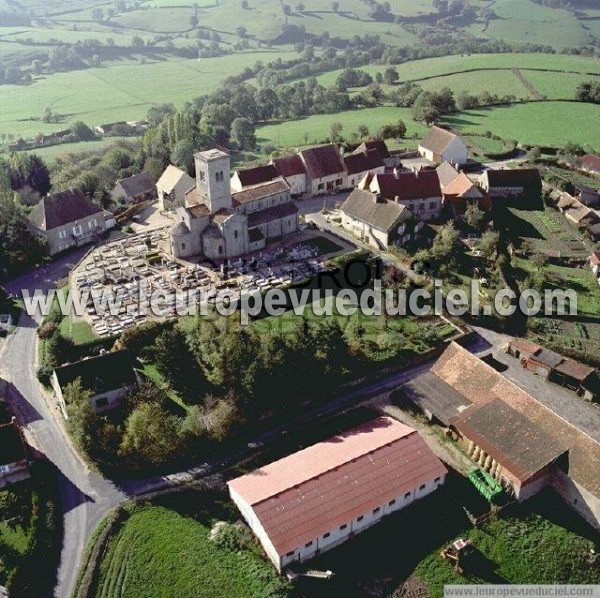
(396, 173)
(397, 199)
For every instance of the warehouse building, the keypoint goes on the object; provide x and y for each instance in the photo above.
(317, 498)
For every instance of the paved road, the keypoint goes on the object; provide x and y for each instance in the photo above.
(87, 496)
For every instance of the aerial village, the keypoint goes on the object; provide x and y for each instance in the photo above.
(510, 417)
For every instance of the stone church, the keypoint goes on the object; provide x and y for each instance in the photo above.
(217, 224)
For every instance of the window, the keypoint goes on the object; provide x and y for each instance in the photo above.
(235, 234)
(392, 502)
(220, 249)
(360, 518)
(432, 205)
(421, 206)
(321, 187)
(375, 511)
(308, 544)
(290, 554)
(422, 487)
(342, 527)
(407, 495)
(77, 230)
(437, 479)
(202, 176)
(326, 535)
(101, 403)
(183, 246)
(62, 234)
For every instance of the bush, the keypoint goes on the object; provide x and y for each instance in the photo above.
(47, 330)
(43, 374)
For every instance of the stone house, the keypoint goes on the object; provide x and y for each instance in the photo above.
(441, 145)
(135, 189)
(172, 188)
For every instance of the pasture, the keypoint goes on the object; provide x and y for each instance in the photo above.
(165, 549)
(123, 90)
(315, 129)
(535, 123)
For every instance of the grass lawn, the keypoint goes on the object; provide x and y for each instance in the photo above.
(152, 372)
(163, 549)
(538, 542)
(485, 145)
(535, 123)
(79, 331)
(315, 129)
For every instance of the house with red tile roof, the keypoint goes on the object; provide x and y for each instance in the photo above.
(252, 176)
(320, 497)
(358, 165)
(325, 169)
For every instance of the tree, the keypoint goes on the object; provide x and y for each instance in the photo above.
(176, 363)
(300, 7)
(137, 42)
(82, 132)
(445, 245)
(151, 436)
(335, 6)
(157, 114)
(488, 244)
(243, 132)
(474, 216)
(98, 14)
(182, 154)
(391, 76)
(47, 115)
(335, 132)
(363, 131)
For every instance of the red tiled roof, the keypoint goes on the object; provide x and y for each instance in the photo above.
(256, 176)
(323, 161)
(62, 208)
(522, 345)
(407, 185)
(316, 490)
(459, 186)
(290, 166)
(591, 162)
(370, 160)
(260, 191)
(479, 382)
(375, 144)
(595, 258)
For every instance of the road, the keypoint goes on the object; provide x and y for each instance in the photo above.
(86, 496)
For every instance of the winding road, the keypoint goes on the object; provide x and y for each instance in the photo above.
(86, 496)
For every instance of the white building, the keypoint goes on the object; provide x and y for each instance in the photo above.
(172, 187)
(441, 145)
(319, 497)
(108, 376)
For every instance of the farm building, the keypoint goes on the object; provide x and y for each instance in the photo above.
(525, 182)
(591, 163)
(361, 164)
(441, 145)
(320, 497)
(109, 376)
(172, 187)
(554, 367)
(14, 464)
(292, 169)
(325, 169)
(135, 189)
(419, 191)
(588, 196)
(378, 221)
(460, 192)
(67, 219)
(557, 444)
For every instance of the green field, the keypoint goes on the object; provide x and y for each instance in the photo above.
(535, 123)
(315, 129)
(522, 21)
(165, 551)
(123, 90)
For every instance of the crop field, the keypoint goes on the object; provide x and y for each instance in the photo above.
(167, 552)
(315, 129)
(123, 90)
(535, 123)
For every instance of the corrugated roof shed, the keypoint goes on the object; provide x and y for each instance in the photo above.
(314, 491)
